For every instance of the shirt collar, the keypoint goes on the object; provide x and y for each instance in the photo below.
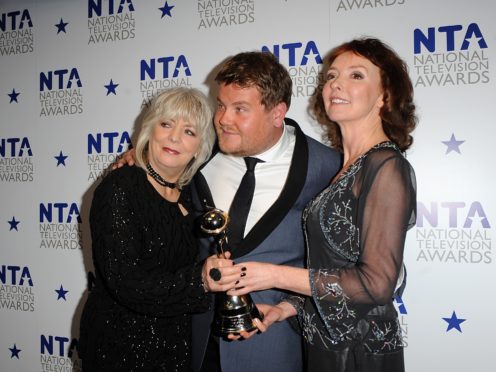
(279, 147)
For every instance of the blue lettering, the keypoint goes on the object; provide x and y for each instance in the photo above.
(47, 344)
(25, 146)
(95, 142)
(310, 49)
(165, 65)
(181, 62)
(291, 47)
(46, 80)
(430, 215)
(473, 30)
(46, 212)
(450, 35)
(149, 69)
(95, 6)
(25, 275)
(13, 20)
(476, 209)
(429, 41)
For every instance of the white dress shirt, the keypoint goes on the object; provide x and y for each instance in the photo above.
(224, 173)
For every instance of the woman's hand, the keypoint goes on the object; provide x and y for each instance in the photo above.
(255, 276)
(277, 313)
(259, 276)
(219, 274)
(271, 314)
(127, 158)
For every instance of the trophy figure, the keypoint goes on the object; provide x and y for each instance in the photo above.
(233, 314)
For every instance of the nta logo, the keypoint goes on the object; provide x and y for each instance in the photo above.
(448, 35)
(456, 212)
(15, 20)
(292, 51)
(15, 147)
(96, 7)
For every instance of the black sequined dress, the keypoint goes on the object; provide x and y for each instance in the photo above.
(137, 316)
(355, 233)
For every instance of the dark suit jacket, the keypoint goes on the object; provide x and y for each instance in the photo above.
(276, 238)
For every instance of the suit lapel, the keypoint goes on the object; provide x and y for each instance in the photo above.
(202, 189)
(275, 214)
(292, 188)
(203, 192)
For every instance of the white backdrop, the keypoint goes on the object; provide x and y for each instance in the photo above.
(74, 76)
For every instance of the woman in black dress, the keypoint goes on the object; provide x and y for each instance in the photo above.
(355, 229)
(137, 316)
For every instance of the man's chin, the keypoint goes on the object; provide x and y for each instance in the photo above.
(232, 152)
(229, 149)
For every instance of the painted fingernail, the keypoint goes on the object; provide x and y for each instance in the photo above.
(237, 282)
(243, 274)
(243, 268)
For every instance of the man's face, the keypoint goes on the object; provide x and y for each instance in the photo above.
(244, 127)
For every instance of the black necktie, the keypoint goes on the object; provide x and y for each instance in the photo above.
(240, 206)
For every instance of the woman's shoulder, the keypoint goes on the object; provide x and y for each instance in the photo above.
(386, 154)
(383, 152)
(124, 177)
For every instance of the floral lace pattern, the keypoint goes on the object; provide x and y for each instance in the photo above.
(383, 337)
(331, 319)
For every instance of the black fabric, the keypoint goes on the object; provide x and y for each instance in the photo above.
(319, 360)
(211, 361)
(240, 206)
(137, 316)
(355, 232)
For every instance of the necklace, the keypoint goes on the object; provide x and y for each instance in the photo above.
(157, 177)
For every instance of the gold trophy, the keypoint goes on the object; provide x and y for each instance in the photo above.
(233, 314)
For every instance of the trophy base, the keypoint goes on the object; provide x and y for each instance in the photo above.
(236, 321)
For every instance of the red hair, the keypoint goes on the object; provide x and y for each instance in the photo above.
(398, 112)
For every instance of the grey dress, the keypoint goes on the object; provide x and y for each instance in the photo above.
(355, 233)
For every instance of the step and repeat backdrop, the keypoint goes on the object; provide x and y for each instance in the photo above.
(75, 76)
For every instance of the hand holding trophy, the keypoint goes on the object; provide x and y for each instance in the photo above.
(233, 314)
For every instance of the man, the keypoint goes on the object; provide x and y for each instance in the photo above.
(253, 99)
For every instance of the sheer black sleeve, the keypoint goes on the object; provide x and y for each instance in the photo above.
(386, 204)
(127, 254)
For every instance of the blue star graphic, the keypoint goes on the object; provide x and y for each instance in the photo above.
(61, 293)
(14, 352)
(166, 10)
(61, 26)
(401, 305)
(453, 144)
(111, 87)
(454, 322)
(13, 224)
(61, 159)
(13, 96)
